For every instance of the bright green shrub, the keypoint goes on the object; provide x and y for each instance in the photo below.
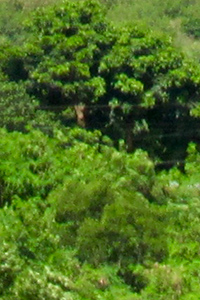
(33, 164)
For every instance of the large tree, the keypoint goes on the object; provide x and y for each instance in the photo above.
(130, 83)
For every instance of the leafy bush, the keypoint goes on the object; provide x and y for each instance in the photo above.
(32, 164)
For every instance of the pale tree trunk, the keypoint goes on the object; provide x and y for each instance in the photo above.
(81, 112)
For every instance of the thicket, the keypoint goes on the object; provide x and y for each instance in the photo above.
(81, 220)
(80, 217)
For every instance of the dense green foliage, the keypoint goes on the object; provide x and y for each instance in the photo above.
(112, 230)
(87, 213)
(132, 84)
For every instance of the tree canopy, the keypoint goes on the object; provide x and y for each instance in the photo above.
(129, 83)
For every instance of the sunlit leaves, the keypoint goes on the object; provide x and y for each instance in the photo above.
(128, 85)
(72, 40)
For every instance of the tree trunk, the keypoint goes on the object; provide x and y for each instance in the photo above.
(81, 115)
